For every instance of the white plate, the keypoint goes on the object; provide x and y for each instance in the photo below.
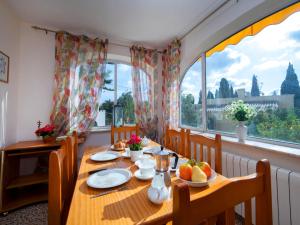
(198, 184)
(180, 162)
(116, 149)
(138, 175)
(104, 156)
(109, 178)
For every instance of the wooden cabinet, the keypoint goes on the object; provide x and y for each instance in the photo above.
(18, 190)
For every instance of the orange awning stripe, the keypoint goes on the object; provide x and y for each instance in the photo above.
(255, 28)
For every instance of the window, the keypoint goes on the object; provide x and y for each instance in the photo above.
(117, 90)
(191, 97)
(263, 70)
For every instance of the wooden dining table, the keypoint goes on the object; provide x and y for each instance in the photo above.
(127, 206)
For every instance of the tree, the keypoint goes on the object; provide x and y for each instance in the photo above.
(224, 90)
(231, 92)
(190, 113)
(217, 95)
(126, 100)
(200, 98)
(210, 95)
(105, 76)
(254, 88)
(108, 107)
(291, 84)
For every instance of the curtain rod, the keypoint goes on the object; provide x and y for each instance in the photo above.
(54, 31)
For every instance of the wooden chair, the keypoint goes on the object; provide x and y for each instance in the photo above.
(72, 145)
(175, 140)
(221, 200)
(123, 132)
(59, 186)
(194, 140)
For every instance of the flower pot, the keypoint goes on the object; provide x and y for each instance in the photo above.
(49, 139)
(135, 155)
(241, 131)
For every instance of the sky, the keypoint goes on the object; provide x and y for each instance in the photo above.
(267, 55)
(124, 82)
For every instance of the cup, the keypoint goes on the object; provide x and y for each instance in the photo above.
(144, 158)
(146, 168)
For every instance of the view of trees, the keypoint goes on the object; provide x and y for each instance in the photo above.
(190, 112)
(126, 100)
(273, 123)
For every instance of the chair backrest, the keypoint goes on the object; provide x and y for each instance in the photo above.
(72, 145)
(198, 143)
(123, 132)
(217, 203)
(59, 186)
(175, 140)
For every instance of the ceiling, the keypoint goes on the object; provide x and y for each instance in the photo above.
(150, 22)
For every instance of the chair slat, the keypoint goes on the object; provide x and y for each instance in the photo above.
(248, 214)
(201, 152)
(195, 151)
(208, 150)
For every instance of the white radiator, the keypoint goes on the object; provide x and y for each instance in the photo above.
(285, 188)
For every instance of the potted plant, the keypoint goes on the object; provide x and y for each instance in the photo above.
(241, 112)
(47, 133)
(135, 146)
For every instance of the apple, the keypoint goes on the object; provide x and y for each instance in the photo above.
(204, 166)
(198, 175)
(185, 171)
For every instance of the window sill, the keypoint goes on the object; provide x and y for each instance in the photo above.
(291, 151)
(100, 129)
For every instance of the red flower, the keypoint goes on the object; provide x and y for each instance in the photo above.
(134, 139)
(47, 130)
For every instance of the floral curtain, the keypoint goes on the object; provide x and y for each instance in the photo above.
(144, 79)
(79, 76)
(170, 87)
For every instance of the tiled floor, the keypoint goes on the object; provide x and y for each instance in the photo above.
(37, 215)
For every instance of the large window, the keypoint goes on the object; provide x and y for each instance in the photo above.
(263, 70)
(117, 90)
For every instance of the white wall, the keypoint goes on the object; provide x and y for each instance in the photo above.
(234, 16)
(9, 44)
(36, 81)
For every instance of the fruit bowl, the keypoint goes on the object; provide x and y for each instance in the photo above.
(199, 184)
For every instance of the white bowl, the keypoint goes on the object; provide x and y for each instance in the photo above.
(199, 184)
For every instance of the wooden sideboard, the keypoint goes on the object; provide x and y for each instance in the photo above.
(19, 190)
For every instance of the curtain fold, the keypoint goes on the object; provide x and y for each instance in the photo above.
(79, 77)
(170, 86)
(144, 79)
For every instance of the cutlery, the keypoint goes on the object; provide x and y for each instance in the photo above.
(95, 171)
(110, 191)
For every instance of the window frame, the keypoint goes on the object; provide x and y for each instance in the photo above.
(115, 63)
(203, 126)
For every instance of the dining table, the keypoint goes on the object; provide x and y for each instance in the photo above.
(130, 205)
